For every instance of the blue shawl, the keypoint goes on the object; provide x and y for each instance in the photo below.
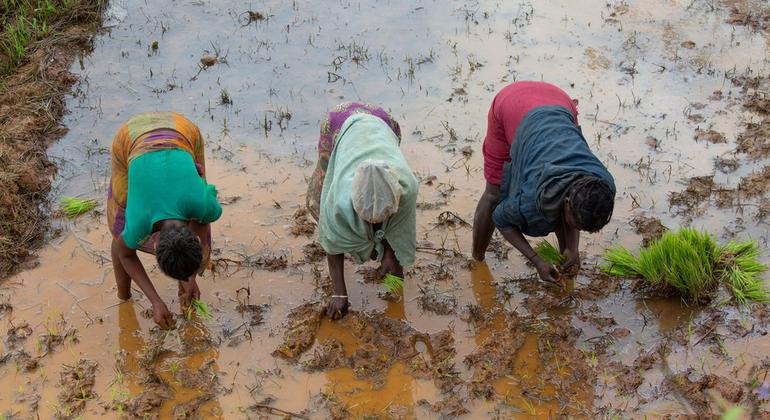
(548, 146)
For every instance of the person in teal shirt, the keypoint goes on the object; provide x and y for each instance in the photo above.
(159, 202)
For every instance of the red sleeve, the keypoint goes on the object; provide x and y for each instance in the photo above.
(496, 149)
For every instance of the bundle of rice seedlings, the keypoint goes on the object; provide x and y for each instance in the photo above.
(690, 262)
(393, 283)
(73, 207)
(740, 271)
(549, 253)
(200, 308)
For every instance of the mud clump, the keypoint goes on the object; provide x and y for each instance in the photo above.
(303, 323)
(499, 248)
(18, 334)
(698, 190)
(55, 338)
(695, 392)
(148, 402)
(756, 17)
(711, 136)
(440, 303)
(384, 341)
(192, 409)
(450, 407)
(301, 225)
(256, 313)
(439, 363)
(650, 228)
(725, 165)
(329, 355)
(313, 252)
(756, 183)
(77, 384)
(337, 409)
(494, 358)
(627, 378)
(753, 140)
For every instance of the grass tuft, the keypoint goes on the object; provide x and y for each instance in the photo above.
(393, 283)
(73, 207)
(690, 263)
(549, 253)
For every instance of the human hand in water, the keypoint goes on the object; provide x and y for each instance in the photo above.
(547, 272)
(188, 290)
(162, 316)
(337, 307)
(390, 265)
(572, 259)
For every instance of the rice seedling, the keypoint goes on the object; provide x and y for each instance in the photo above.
(73, 207)
(691, 263)
(549, 253)
(393, 283)
(200, 308)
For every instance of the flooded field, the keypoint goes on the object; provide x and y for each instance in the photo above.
(673, 99)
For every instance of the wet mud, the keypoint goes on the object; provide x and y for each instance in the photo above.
(677, 112)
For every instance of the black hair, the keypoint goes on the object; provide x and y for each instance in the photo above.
(591, 203)
(179, 253)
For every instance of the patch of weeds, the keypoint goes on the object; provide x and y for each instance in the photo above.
(549, 253)
(691, 263)
(73, 207)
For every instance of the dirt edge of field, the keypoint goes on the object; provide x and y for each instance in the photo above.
(32, 104)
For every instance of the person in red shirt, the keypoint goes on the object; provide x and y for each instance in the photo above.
(555, 183)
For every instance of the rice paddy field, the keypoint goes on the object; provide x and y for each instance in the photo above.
(673, 98)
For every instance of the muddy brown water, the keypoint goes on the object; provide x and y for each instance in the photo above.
(640, 70)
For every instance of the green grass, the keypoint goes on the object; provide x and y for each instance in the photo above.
(199, 307)
(24, 22)
(393, 283)
(691, 263)
(73, 207)
(549, 253)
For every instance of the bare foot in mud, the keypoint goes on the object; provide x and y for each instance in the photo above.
(124, 296)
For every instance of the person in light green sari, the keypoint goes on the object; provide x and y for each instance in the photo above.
(367, 201)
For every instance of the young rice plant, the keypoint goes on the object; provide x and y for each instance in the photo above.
(549, 253)
(691, 263)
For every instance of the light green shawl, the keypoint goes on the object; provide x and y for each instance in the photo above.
(340, 229)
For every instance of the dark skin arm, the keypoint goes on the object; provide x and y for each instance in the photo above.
(569, 238)
(189, 290)
(338, 307)
(127, 266)
(546, 271)
(483, 228)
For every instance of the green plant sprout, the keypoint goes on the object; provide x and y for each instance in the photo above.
(691, 263)
(549, 253)
(393, 283)
(199, 307)
(73, 207)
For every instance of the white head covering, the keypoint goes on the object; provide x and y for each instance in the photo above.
(376, 191)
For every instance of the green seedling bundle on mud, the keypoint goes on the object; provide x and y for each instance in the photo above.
(549, 253)
(691, 264)
(393, 283)
(200, 308)
(73, 207)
